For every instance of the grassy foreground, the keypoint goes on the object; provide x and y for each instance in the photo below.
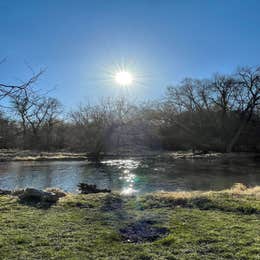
(212, 225)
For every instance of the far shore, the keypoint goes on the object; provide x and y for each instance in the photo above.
(7, 155)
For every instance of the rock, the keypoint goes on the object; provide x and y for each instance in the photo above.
(85, 188)
(17, 192)
(34, 195)
(5, 192)
(58, 192)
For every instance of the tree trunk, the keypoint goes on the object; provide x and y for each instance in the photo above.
(234, 139)
(237, 134)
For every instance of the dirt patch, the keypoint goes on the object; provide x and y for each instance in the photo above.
(142, 231)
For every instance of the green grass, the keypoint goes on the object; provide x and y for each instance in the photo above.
(212, 225)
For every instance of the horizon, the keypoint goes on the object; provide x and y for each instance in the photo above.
(81, 45)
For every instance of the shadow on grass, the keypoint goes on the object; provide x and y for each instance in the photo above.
(36, 203)
(142, 231)
(202, 203)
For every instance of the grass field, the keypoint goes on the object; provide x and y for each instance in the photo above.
(211, 225)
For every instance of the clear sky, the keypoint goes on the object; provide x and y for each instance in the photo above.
(81, 42)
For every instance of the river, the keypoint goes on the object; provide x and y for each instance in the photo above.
(133, 175)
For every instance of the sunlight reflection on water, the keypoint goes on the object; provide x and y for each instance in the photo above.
(123, 163)
(132, 175)
(126, 175)
(128, 191)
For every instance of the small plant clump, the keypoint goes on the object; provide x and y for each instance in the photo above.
(85, 188)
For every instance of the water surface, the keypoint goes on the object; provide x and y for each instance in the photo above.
(132, 175)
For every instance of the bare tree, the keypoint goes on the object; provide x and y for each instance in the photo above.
(10, 91)
(97, 124)
(247, 99)
(35, 111)
(218, 108)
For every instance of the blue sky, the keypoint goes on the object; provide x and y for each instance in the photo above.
(81, 42)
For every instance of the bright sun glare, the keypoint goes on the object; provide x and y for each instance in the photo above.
(124, 78)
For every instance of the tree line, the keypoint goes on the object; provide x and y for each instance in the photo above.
(221, 113)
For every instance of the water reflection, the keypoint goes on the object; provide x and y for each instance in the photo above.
(129, 181)
(132, 176)
(126, 175)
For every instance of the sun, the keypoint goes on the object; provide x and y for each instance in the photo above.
(123, 78)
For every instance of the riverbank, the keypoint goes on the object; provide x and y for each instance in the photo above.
(186, 225)
(28, 155)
